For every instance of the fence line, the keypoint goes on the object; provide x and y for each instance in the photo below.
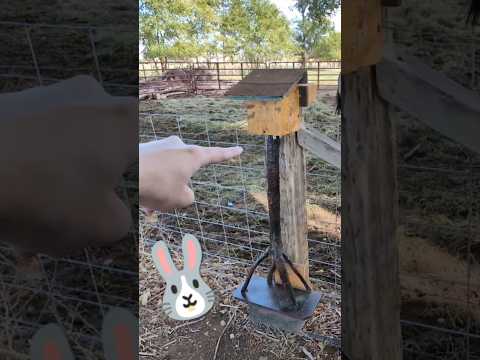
(226, 73)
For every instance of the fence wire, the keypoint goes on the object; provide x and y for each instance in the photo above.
(44, 289)
(229, 215)
(172, 77)
(439, 185)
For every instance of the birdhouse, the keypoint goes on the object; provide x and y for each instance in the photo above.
(274, 99)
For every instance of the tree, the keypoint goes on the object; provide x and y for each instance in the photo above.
(329, 47)
(317, 10)
(255, 30)
(177, 28)
(314, 23)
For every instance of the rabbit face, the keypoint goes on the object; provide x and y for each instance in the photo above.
(189, 303)
(186, 295)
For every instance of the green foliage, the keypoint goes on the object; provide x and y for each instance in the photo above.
(253, 30)
(317, 10)
(328, 47)
(177, 28)
(314, 28)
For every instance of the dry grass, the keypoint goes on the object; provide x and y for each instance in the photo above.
(439, 183)
(319, 219)
(429, 274)
(162, 338)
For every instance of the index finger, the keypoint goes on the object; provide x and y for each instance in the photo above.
(213, 155)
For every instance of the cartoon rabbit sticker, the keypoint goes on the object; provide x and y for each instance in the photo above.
(119, 337)
(186, 295)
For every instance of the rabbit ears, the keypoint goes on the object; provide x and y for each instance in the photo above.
(50, 343)
(192, 256)
(119, 337)
(192, 253)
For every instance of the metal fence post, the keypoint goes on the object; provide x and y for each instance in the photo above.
(318, 74)
(156, 68)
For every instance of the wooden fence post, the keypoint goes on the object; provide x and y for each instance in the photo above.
(218, 76)
(293, 212)
(370, 274)
(282, 117)
(156, 68)
(241, 69)
(318, 74)
(144, 73)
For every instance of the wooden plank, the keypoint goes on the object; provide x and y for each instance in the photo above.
(268, 82)
(362, 34)
(276, 118)
(370, 275)
(439, 102)
(293, 214)
(308, 94)
(312, 94)
(321, 146)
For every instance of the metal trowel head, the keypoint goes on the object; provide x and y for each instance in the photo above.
(270, 305)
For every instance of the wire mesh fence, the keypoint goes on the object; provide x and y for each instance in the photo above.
(439, 197)
(39, 290)
(46, 53)
(217, 76)
(229, 215)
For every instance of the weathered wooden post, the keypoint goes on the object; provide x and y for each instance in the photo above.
(144, 72)
(218, 76)
(278, 113)
(370, 278)
(275, 98)
(318, 74)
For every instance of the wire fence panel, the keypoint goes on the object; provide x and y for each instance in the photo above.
(221, 75)
(37, 291)
(47, 53)
(230, 216)
(439, 185)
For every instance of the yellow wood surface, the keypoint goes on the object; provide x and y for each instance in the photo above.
(277, 118)
(362, 34)
(312, 94)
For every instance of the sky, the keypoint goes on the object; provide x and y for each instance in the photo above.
(287, 8)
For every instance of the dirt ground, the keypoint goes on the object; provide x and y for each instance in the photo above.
(439, 183)
(226, 331)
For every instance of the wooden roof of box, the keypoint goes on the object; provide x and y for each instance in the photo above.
(268, 84)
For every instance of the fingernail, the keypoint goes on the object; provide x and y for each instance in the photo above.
(237, 150)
